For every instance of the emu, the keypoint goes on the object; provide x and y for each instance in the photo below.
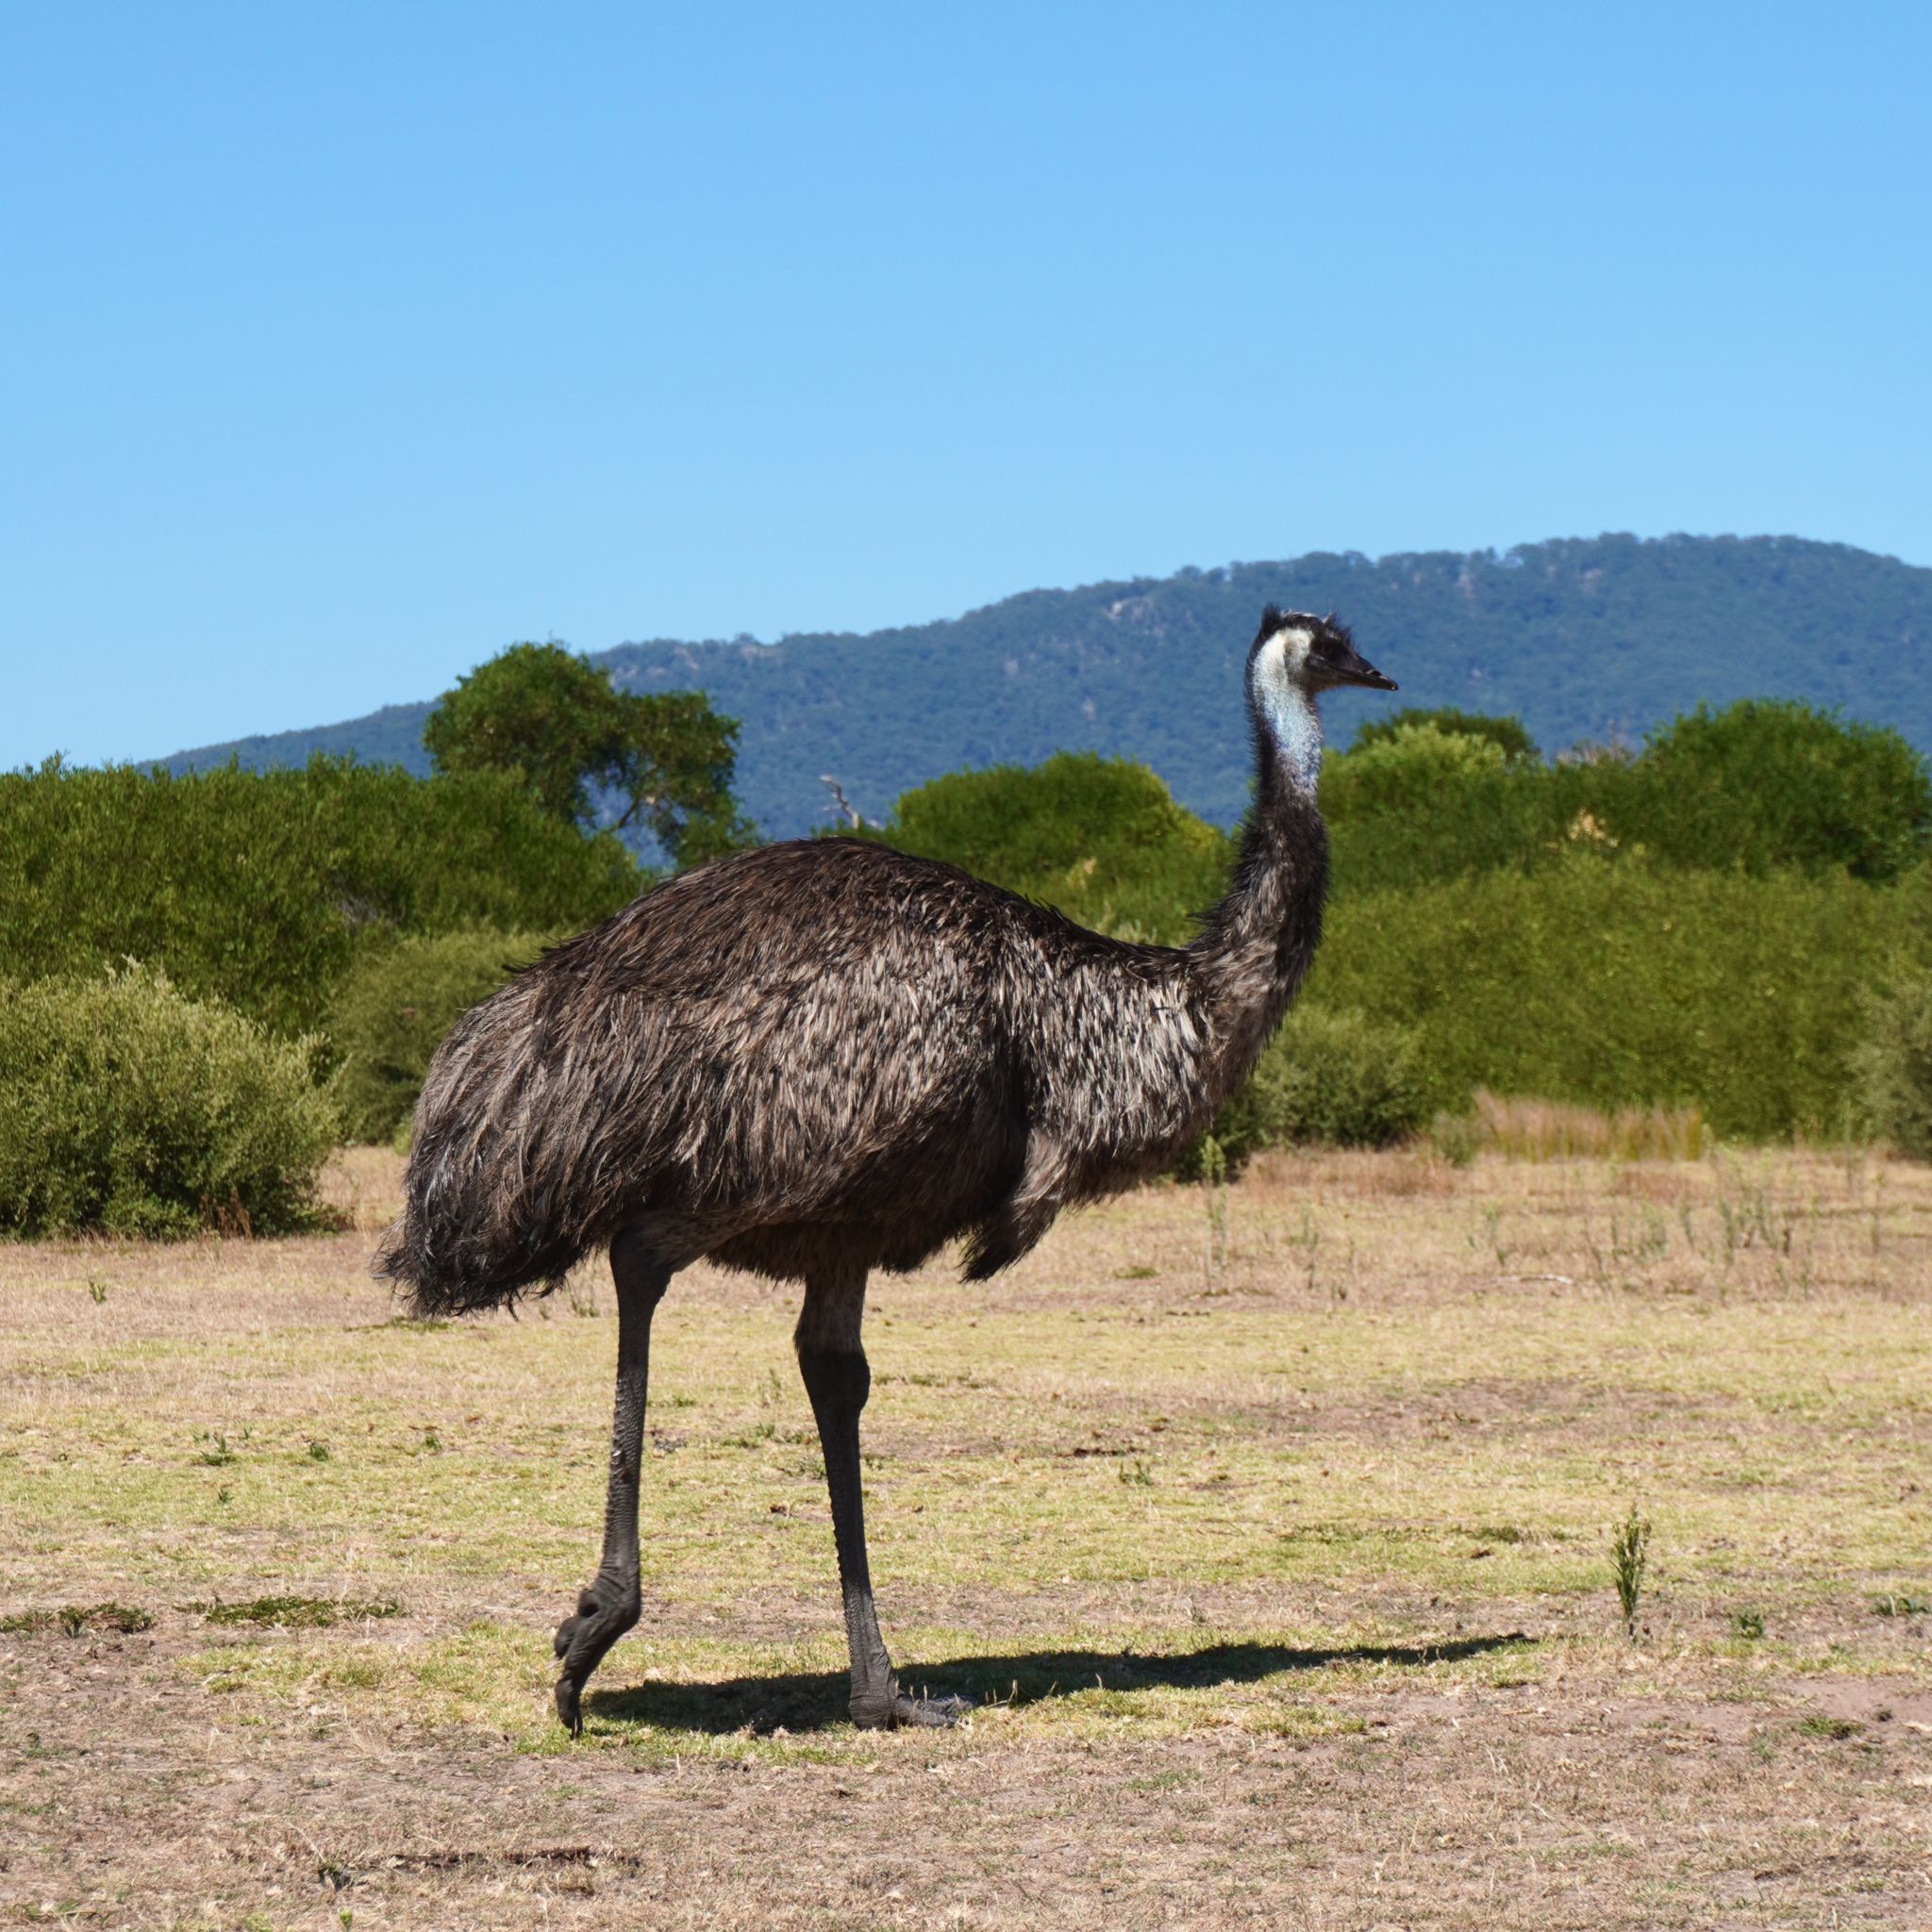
(824, 1058)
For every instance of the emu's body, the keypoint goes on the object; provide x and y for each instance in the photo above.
(820, 1059)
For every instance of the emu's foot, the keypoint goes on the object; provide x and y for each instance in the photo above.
(604, 1611)
(898, 1709)
(929, 1713)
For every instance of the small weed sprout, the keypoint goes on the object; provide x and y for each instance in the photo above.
(1492, 1222)
(217, 1454)
(319, 1452)
(1629, 1555)
(1136, 1474)
(96, 1290)
(1749, 1625)
(1900, 1604)
(1214, 1172)
(1457, 1138)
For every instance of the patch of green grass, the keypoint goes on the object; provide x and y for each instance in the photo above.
(1835, 1729)
(296, 1612)
(73, 1620)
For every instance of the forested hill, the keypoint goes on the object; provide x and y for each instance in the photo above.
(1596, 638)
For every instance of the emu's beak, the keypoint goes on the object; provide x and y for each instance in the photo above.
(1355, 669)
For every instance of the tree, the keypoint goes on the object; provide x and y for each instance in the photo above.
(578, 744)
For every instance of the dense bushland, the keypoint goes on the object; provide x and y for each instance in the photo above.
(260, 888)
(1894, 1058)
(1738, 918)
(1894, 1063)
(126, 1108)
(393, 1007)
(1538, 929)
(1763, 786)
(1615, 984)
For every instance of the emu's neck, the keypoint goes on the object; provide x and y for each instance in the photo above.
(1255, 947)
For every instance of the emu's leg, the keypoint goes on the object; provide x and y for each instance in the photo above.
(611, 1605)
(838, 1381)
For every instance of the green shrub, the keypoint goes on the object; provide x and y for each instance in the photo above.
(1341, 1079)
(1507, 734)
(393, 1007)
(1330, 1079)
(1403, 769)
(1101, 839)
(260, 887)
(126, 1108)
(1894, 1063)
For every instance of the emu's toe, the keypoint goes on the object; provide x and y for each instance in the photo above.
(928, 1713)
(567, 1630)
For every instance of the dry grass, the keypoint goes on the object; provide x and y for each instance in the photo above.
(1284, 1578)
(1550, 1130)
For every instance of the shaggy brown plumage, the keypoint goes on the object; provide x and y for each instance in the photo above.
(824, 1058)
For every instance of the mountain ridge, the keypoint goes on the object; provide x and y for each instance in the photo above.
(1583, 638)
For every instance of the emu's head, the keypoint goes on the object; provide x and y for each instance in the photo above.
(1294, 651)
(1294, 658)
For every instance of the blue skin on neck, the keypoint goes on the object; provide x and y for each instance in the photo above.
(1296, 728)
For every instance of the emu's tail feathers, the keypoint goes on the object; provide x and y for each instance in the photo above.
(494, 1201)
(456, 1258)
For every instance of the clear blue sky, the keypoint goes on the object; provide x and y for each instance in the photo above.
(343, 344)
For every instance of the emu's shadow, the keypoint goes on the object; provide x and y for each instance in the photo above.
(813, 1699)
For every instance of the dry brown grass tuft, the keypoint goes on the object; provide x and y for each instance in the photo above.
(1550, 1130)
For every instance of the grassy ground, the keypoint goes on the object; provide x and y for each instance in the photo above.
(1270, 1531)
